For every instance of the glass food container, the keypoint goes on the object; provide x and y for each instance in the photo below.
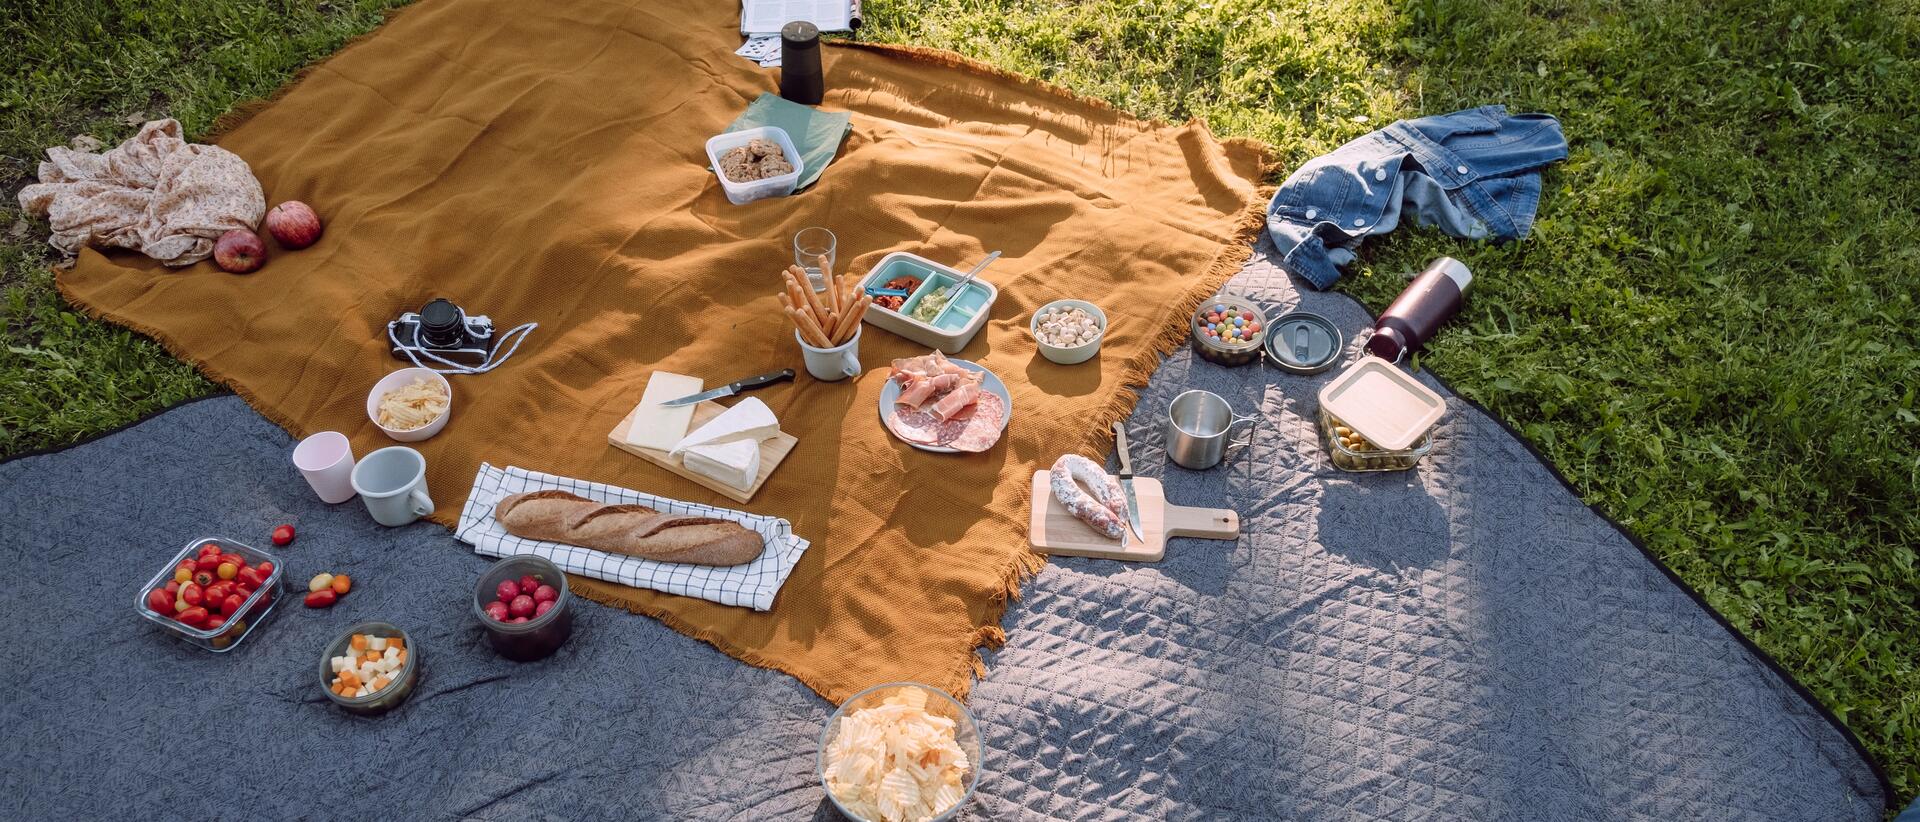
(1375, 417)
(538, 637)
(1230, 343)
(965, 732)
(242, 622)
(385, 699)
(1350, 453)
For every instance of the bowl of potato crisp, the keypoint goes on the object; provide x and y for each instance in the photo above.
(410, 404)
(900, 751)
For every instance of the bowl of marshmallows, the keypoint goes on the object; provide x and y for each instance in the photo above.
(1068, 331)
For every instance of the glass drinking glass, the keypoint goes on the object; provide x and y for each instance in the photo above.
(813, 250)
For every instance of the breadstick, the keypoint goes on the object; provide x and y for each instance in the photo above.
(795, 289)
(833, 293)
(813, 327)
(808, 331)
(786, 299)
(806, 289)
(851, 322)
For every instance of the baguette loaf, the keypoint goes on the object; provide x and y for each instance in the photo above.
(633, 530)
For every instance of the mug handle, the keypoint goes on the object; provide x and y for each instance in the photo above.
(422, 504)
(1237, 419)
(850, 363)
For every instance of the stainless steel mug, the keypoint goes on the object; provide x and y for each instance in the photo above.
(1197, 426)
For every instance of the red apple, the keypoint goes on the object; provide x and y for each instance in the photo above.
(239, 251)
(294, 224)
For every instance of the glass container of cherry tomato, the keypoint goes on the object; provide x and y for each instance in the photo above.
(542, 629)
(214, 593)
(1228, 330)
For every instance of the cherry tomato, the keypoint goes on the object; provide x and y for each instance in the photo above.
(231, 605)
(244, 591)
(237, 560)
(193, 594)
(203, 578)
(265, 570)
(207, 563)
(214, 621)
(323, 598)
(342, 584)
(211, 595)
(172, 587)
(250, 578)
(209, 548)
(227, 570)
(160, 600)
(283, 535)
(183, 574)
(193, 616)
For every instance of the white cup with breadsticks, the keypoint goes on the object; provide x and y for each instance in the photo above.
(825, 323)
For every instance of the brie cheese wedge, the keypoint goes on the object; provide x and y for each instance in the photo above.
(735, 463)
(749, 420)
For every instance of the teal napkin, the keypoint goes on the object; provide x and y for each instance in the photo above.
(816, 133)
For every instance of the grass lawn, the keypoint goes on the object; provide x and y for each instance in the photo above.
(1711, 331)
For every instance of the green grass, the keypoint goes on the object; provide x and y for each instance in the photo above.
(1711, 331)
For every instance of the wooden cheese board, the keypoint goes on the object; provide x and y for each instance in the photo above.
(1054, 531)
(772, 450)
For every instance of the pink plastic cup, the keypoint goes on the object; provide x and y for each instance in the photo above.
(326, 460)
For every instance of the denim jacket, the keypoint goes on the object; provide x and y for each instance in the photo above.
(1472, 173)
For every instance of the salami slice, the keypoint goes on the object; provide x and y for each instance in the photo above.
(915, 426)
(980, 429)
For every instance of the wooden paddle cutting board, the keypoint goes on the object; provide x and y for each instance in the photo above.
(1054, 531)
(772, 450)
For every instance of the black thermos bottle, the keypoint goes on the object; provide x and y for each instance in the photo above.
(1432, 299)
(800, 78)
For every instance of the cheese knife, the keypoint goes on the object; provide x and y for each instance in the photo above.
(1126, 480)
(732, 388)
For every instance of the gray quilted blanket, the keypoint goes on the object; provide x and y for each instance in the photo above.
(1464, 641)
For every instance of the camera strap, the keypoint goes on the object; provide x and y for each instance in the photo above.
(494, 358)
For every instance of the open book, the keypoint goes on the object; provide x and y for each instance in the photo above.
(765, 17)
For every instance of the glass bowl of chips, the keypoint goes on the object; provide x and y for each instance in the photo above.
(864, 771)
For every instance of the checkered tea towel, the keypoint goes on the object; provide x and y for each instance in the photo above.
(753, 584)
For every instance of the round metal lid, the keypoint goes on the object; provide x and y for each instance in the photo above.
(1303, 342)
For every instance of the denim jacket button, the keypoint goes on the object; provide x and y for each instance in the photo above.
(1312, 213)
(1459, 169)
(1379, 174)
(1357, 222)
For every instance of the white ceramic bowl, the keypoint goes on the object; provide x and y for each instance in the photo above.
(1069, 355)
(396, 380)
(965, 732)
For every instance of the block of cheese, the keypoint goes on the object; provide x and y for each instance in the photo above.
(658, 427)
(735, 463)
(749, 420)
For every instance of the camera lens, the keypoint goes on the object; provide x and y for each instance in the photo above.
(440, 324)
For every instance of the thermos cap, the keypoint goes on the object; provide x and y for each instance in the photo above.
(1303, 343)
(1455, 270)
(800, 34)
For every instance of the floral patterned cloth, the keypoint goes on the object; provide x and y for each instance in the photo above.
(156, 193)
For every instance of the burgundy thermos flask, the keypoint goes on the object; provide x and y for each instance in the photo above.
(1432, 299)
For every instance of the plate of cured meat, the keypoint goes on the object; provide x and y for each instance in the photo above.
(945, 406)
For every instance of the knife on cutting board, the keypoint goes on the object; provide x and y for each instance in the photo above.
(1126, 480)
(732, 388)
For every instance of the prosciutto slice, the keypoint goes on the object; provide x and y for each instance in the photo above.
(959, 398)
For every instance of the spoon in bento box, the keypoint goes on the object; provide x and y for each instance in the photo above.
(961, 286)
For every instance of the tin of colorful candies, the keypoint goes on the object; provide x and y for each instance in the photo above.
(1228, 330)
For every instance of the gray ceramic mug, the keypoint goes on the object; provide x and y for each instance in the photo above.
(393, 483)
(1197, 426)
